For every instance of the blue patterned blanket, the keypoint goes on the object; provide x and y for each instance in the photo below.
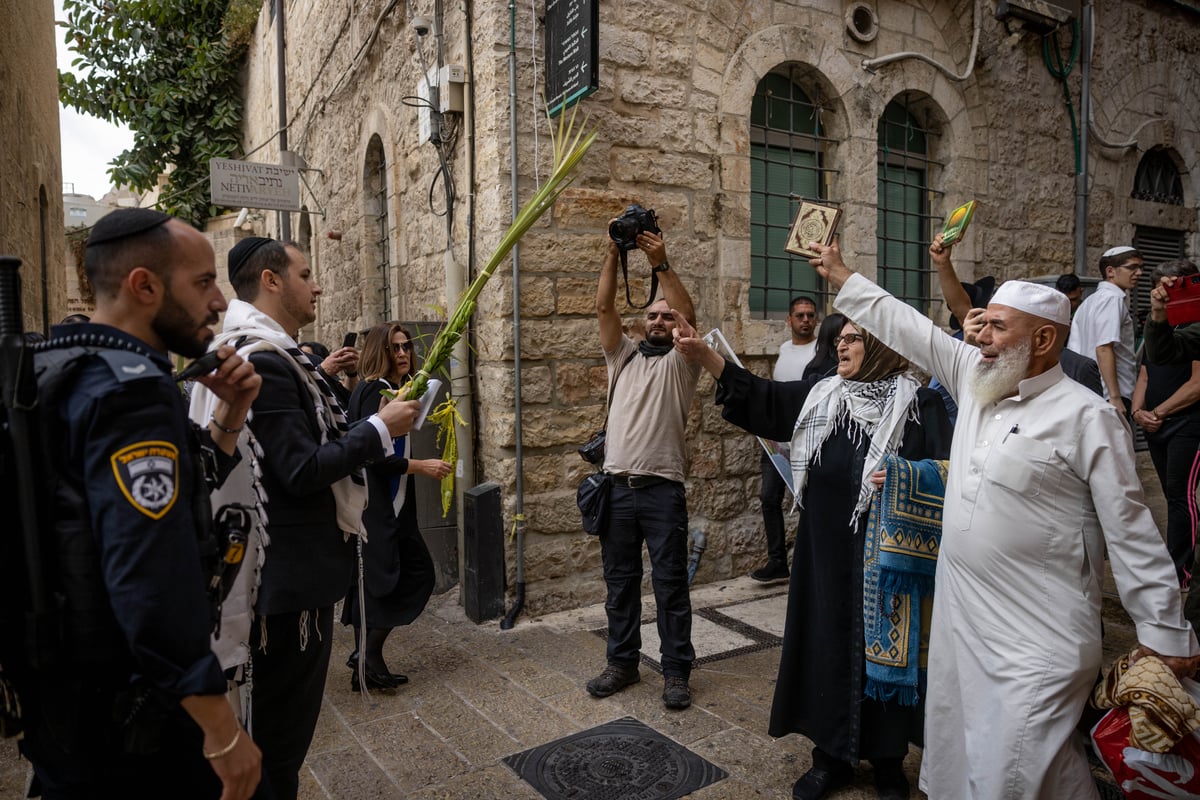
(904, 531)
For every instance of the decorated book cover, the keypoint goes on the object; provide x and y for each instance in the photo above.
(814, 223)
(957, 222)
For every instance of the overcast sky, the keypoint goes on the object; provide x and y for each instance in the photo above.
(88, 143)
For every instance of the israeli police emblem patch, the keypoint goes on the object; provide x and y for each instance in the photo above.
(147, 473)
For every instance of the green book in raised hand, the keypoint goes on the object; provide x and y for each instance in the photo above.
(957, 222)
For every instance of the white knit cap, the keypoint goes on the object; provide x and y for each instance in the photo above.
(1034, 298)
(1118, 250)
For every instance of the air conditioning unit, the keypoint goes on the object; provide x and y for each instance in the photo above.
(1040, 16)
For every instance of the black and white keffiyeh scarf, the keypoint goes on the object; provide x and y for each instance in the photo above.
(881, 408)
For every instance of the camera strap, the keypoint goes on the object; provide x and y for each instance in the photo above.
(653, 283)
(613, 389)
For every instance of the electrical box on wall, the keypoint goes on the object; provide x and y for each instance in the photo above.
(450, 88)
(443, 89)
(1041, 16)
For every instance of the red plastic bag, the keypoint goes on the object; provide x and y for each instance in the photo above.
(1142, 775)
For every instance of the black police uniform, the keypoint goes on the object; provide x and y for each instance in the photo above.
(131, 500)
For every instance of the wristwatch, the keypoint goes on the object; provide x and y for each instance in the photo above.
(663, 267)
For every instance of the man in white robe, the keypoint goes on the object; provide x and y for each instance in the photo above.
(1042, 479)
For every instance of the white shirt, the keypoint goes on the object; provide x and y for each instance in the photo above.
(1039, 484)
(793, 358)
(1104, 318)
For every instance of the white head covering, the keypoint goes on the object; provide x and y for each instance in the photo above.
(1118, 250)
(1033, 298)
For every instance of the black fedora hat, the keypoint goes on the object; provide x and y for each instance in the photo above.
(980, 292)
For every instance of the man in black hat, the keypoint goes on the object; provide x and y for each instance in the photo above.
(137, 699)
(315, 495)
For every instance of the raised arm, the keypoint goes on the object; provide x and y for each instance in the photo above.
(957, 299)
(674, 293)
(606, 296)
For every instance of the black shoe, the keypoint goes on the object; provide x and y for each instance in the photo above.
(375, 680)
(398, 678)
(773, 571)
(891, 785)
(817, 783)
(614, 678)
(676, 692)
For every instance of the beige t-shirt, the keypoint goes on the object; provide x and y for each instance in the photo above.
(649, 412)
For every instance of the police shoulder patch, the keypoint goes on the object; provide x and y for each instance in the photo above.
(148, 475)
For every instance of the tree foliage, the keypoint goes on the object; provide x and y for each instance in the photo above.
(168, 69)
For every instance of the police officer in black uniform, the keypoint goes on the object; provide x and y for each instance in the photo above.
(137, 707)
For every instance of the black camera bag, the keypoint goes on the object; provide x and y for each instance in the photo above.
(593, 493)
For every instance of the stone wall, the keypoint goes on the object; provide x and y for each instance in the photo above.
(676, 84)
(31, 209)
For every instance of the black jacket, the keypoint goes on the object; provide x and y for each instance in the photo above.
(308, 557)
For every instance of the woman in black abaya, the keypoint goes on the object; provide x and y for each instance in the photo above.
(839, 428)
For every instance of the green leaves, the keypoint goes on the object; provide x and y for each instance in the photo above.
(169, 70)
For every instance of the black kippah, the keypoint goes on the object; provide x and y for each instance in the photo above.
(125, 222)
(242, 251)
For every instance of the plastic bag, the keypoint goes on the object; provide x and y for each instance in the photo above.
(1142, 775)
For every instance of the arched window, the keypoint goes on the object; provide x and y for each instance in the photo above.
(375, 197)
(1158, 179)
(904, 224)
(304, 232)
(788, 163)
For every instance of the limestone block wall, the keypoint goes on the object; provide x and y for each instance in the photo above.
(31, 209)
(677, 80)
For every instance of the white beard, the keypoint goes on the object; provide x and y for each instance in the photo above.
(994, 381)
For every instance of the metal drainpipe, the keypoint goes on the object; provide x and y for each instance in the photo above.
(285, 217)
(1085, 123)
(519, 499)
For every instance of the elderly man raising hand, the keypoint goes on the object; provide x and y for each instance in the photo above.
(1042, 479)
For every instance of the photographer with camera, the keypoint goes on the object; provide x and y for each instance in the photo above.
(645, 459)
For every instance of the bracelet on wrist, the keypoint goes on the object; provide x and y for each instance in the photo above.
(226, 750)
(223, 429)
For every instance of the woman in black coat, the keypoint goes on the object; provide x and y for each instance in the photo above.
(839, 428)
(397, 569)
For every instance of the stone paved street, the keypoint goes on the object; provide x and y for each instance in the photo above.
(478, 694)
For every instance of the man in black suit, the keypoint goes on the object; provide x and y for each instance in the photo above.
(311, 475)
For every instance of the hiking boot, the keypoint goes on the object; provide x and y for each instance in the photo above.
(676, 693)
(773, 571)
(614, 678)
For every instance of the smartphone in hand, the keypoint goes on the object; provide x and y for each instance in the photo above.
(1183, 300)
(349, 339)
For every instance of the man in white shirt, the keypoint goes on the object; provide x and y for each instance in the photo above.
(794, 355)
(1041, 482)
(1103, 325)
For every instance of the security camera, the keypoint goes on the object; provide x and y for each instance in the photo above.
(422, 25)
(241, 218)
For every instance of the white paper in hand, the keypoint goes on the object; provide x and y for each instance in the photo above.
(427, 401)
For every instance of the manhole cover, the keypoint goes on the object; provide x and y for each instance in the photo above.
(619, 760)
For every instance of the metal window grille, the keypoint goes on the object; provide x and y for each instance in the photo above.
(789, 158)
(1156, 246)
(377, 194)
(905, 222)
(1158, 179)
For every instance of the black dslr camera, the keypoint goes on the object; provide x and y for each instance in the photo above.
(624, 229)
(592, 451)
